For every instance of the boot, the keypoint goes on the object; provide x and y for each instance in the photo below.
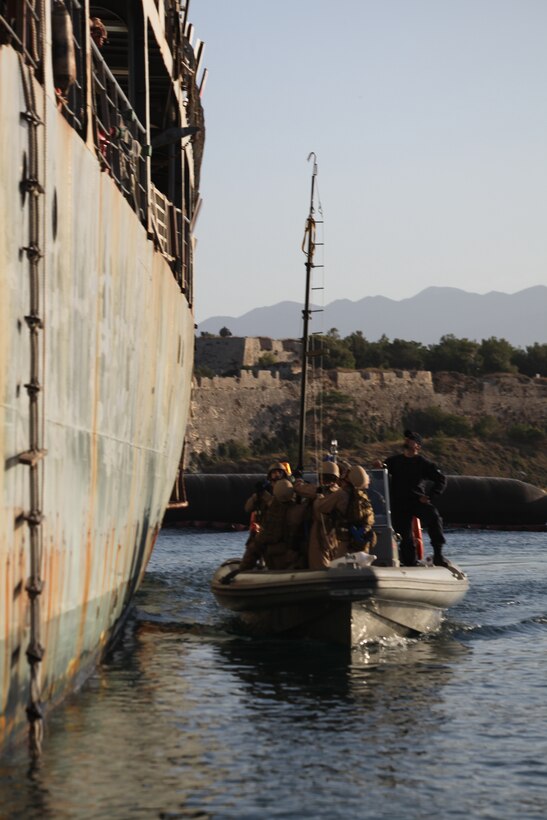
(438, 559)
(407, 554)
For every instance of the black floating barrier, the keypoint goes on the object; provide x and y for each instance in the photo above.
(489, 501)
(467, 501)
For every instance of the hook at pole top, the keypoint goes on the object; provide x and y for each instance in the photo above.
(314, 155)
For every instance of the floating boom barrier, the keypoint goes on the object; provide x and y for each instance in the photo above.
(468, 501)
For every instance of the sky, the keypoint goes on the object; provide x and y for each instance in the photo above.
(429, 122)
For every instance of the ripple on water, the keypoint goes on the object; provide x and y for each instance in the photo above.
(188, 718)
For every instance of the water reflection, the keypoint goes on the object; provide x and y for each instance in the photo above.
(174, 723)
(190, 719)
(130, 744)
(378, 684)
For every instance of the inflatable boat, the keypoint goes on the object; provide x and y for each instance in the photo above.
(357, 599)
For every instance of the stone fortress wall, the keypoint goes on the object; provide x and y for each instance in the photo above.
(230, 353)
(255, 402)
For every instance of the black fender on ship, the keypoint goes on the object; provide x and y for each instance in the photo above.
(467, 501)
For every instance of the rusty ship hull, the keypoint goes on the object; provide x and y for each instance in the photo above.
(96, 352)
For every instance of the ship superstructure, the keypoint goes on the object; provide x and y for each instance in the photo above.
(101, 139)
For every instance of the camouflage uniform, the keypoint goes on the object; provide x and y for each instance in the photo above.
(351, 517)
(278, 540)
(322, 543)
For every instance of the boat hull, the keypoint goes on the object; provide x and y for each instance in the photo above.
(343, 605)
(116, 360)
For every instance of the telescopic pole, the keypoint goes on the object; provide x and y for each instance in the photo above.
(306, 316)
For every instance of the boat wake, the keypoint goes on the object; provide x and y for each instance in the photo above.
(526, 626)
(146, 624)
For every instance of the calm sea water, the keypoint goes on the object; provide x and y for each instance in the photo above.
(188, 718)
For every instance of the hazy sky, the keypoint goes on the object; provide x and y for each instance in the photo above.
(429, 121)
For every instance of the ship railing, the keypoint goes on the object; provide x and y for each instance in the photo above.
(162, 216)
(172, 233)
(186, 259)
(21, 27)
(119, 136)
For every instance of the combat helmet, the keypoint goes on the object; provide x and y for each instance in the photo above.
(277, 465)
(358, 477)
(283, 490)
(329, 468)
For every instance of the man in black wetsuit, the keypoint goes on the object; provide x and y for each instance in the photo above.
(409, 472)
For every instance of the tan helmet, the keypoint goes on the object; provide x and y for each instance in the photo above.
(329, 468)
(277, 465)
(358, 477)
(283, 490)
(345, 467)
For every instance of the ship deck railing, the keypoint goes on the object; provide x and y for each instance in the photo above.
(22, 30)
(119, 135)
(171, 231)
(163, 218)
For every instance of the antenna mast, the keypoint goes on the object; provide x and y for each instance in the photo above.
(306, 312)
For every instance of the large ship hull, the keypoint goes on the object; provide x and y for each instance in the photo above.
(116, 357)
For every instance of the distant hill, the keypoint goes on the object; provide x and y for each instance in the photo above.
(521, 317)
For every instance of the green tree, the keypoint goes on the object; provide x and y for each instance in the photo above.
(224, 332)
(339, 419)
(434, 421)
(359, 347)
(267, 359)
(496, 356)
(335, 353)
(532, 361)
(526, 434)
(233, 450)
(378, 353)
(335, 398)
(487, 427)
(461, 355)
(347, 430)
(406, 355)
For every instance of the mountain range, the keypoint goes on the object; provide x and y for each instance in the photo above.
(520, 317)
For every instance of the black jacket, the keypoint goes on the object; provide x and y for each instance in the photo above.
(409, 477)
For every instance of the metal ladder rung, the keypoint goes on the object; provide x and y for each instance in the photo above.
(31, 457)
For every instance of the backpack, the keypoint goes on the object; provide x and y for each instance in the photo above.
(359, 521)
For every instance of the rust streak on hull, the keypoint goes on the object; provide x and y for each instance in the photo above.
(116, 354)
